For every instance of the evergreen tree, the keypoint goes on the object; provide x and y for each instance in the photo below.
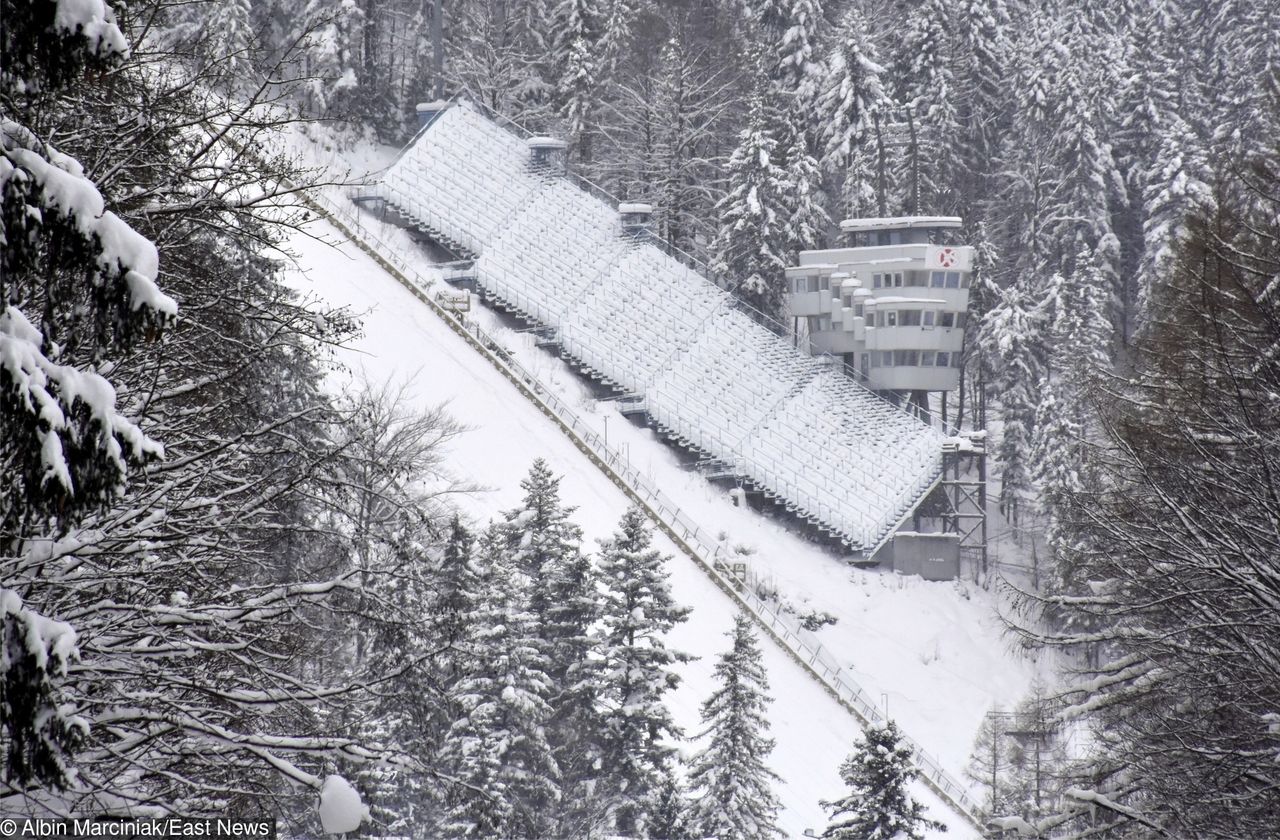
(982, 45)
(636, 613)
(851, 91)
(578, 68)
(230, 30)
(1012, 339)
(878, 806)
(751, 248)
(65, 445)
(924, 85)
(540, 537)
(574, 727)
(496, 749)
(795, 37)
(735, 800)
(806, 221)
(670, 817)
(1176, 191)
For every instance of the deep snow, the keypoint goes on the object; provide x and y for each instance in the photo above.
(932, 652)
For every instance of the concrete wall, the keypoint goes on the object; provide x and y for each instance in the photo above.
(931, 556)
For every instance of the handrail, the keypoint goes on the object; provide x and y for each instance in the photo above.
(684, 532)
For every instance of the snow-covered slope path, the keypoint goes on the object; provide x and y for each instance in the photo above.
(404, 340)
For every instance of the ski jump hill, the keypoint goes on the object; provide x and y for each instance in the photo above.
(717, 378)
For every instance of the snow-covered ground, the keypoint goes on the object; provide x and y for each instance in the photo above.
(932, 652)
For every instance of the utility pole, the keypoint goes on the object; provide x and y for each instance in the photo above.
(437, 42)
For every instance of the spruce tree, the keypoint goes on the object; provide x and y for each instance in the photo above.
(574, 728)
(878, 805)
(670, 818)
(508, 781)
(925, 86)
(1012, 338)
(851, 91)
(751, 248)
(540, 537)
(637, 612)
(735, 800)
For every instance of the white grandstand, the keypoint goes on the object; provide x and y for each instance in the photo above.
(710, 376)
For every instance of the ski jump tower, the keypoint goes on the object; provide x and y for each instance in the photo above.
(893, 303)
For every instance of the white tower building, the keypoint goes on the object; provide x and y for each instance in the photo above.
(893, 304)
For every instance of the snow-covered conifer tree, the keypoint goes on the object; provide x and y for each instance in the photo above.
(573, 665)
(751, 249)
(497, 749)
(850, 92)
(637, 613)
(797, 70)
(1012, 338)
(1176, 190)
(924, 85)
(670, 817)
(731, 781)
(578, 67)
(229, 28)
(540, 536)
(77, 286)
(878, 805)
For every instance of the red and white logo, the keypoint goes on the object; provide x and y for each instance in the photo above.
(947, 257)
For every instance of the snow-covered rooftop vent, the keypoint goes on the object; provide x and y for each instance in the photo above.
(548, 154)
(637, 218)
(899, 223)
(428, 111)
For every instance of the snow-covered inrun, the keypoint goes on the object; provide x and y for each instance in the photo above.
(930, 652)
(711, 375)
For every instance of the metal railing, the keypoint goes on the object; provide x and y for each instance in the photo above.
(702, 547)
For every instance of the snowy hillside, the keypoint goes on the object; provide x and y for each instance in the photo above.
(932, 650)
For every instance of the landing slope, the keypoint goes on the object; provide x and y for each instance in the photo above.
(404, 341)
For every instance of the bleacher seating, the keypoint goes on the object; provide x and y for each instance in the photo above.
(633, 317)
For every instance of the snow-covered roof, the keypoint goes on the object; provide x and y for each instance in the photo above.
(437, 105)
(544, 142)
(633, 207)
(899, 223)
